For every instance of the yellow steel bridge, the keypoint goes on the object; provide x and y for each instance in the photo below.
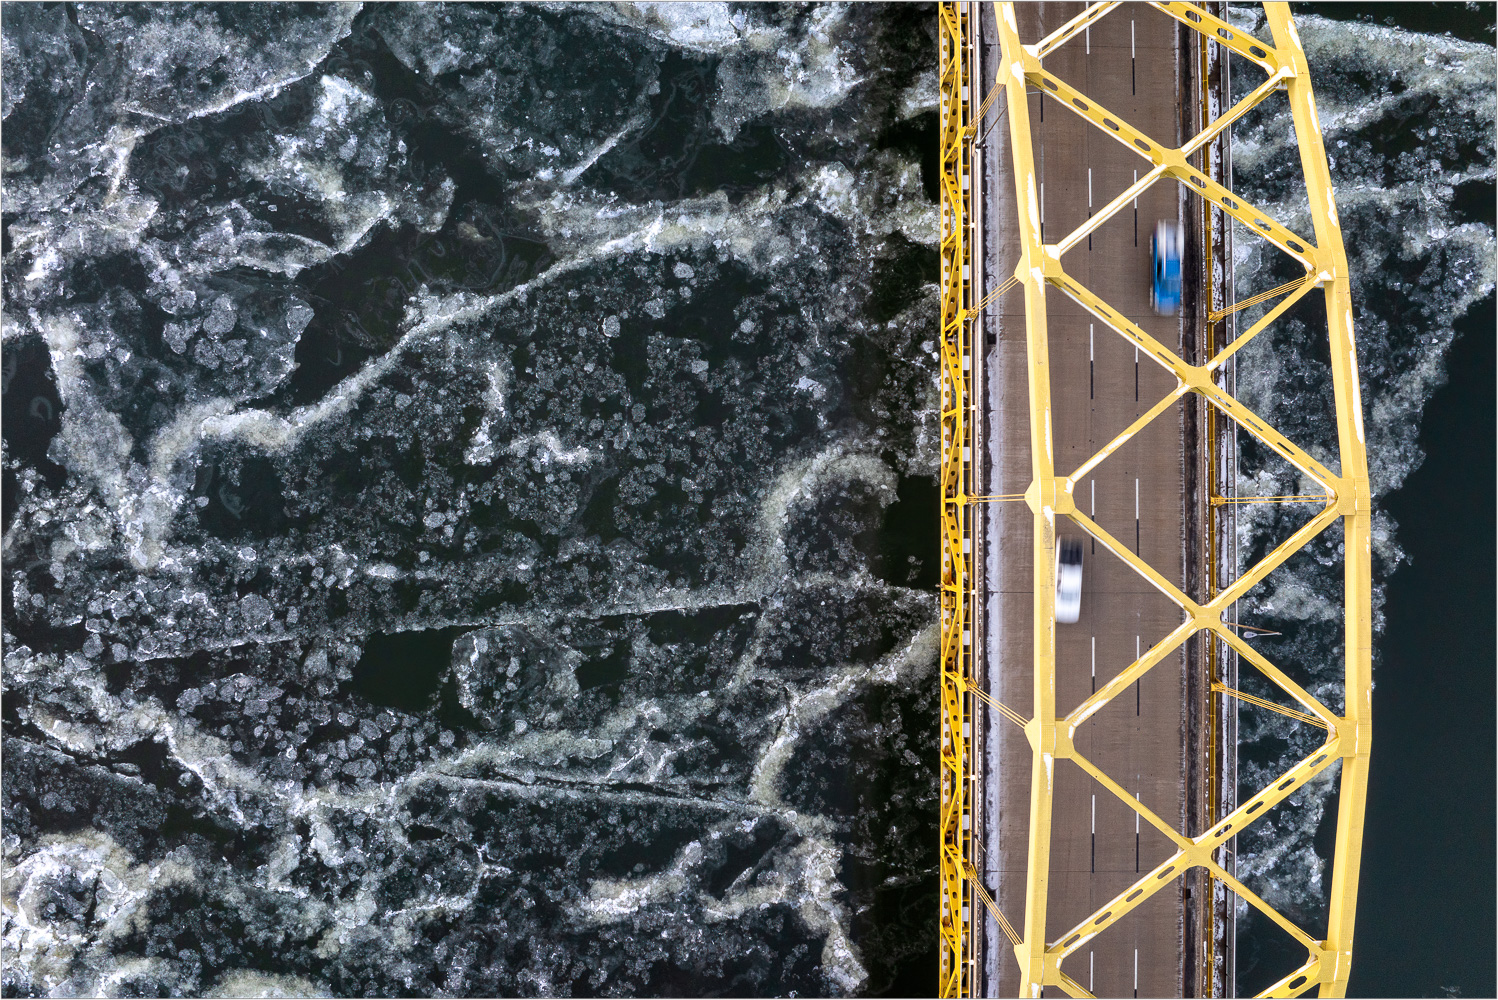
(1042, 949)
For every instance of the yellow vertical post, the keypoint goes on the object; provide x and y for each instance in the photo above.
(1331, 259)
(1042, 497)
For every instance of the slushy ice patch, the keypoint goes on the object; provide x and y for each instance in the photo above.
(451, 462)
(1408, 123)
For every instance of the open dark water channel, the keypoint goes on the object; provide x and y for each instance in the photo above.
(1426, 908)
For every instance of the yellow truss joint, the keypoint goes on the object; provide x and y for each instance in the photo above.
(1205, 617)
(1357, 500)
(1050, 971)
(1335, 964)
(1051, 495)
(1051, 739)
(1050, 262)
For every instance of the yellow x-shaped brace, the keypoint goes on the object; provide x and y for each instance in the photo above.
(1348, 497)
(1345, 738)
(1199, 617)
(1174, 162)
(1194, 852)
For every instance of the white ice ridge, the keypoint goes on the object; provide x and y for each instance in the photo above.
(839, 462)
(764, 68)
(59, 952)
(696, 27)
(427, 315)
(481, 447)
(517, 765)
(614, 899)
(808, 872)
(551, 449)
(348, 11)
(885, 194)
(51, 949)
(920, 96)
(804, 876)
(804, 708)
(145, 500)
(574, 172)
(749, 231)
(151, 42)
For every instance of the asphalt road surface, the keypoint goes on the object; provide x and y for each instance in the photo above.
(1128, 62)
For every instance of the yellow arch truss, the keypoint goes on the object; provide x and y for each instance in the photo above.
(1049, 496)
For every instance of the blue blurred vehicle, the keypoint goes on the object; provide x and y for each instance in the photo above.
(1166, 248)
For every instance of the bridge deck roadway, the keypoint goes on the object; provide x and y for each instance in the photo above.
(1132, 64)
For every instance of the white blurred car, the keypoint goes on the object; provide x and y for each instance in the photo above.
(1068, 579)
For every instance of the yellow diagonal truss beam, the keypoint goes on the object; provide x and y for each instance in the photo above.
(1173, 162)
(1191, 852)
(1346, 494)
(1071, 29)
(1241, 43)
(1263, 324)
(1197, 378)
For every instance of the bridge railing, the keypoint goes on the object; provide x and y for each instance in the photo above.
(956, 964)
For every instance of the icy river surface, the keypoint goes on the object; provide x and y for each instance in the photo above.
(468, 498)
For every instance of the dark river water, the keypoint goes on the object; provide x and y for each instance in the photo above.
(469, 499)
